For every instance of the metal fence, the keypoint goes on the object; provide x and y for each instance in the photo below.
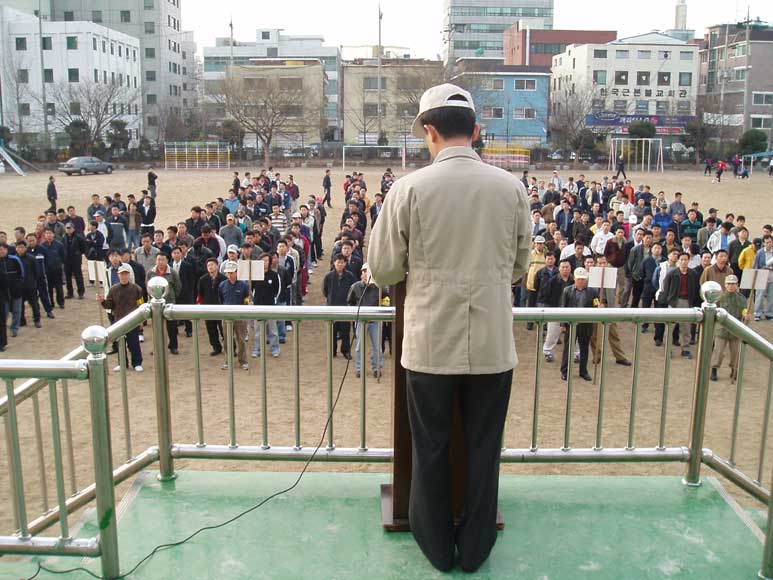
(52, 377)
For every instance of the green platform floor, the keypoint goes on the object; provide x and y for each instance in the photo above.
(557, 528)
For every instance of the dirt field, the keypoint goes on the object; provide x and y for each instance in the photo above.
(23, 198)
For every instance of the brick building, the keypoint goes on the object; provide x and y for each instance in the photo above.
(526, 46)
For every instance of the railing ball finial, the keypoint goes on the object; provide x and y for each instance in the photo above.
(94, 339)
(157, 287)
(710, 291)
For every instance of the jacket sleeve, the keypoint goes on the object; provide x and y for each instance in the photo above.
(388, 253)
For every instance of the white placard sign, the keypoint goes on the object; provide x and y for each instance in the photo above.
(602, 278)
(250, 270)
(754, 279)
(97, 271)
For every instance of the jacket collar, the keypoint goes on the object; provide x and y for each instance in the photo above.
(455, 152)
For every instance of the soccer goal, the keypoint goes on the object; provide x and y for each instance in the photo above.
(639, 154)
(197, 155)
(382, 154)
(506, 157)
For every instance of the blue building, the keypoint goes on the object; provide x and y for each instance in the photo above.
(511, 101)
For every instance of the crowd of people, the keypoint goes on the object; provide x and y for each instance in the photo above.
(662, 250)
(262, 217)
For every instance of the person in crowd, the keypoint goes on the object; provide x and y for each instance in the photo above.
(55, 260)
(234, 292)
(12, 271)
(578, 295)
(335, 288)
(362, 294)
(186, 270)
(719, 270)
(29, 285)
(209, 293)
(122, 299)
(681, 290)
(327, 186)
(764, 261)
(266, 292)
(737, 306)
(51, 193)
(75, 247)
(40, 254)
(163, 270)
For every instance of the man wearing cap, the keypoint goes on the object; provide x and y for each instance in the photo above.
(74, 248)
(435, 225)
(122, 299)
(578, 295)
(736, 305)
(234, 292)
(366, 293)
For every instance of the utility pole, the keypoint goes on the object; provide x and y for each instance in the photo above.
(723, 75)
(747, 68)
(46, 133)
(378, 61)
(231, 26)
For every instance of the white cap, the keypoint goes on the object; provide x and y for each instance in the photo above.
(230, 266)
(365, 267)
(125, 268)
(232, 248)
(632, 219)
(297, 214)
(539, 240)
(581, 274)
(438, 97)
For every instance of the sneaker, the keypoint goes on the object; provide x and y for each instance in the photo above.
(282, 341)
(216, 353)
(289, 327)
(576, 358)
(37, 324)
(245, 367)
(713, 376)
(549, 357)
(14, 333)
(687, 354)
(139, 368)
(255, 354)
(117, 368)
(224, 366)
(142, 338)
(275, 354)
(51, 315)
(357, 374)
(377, 374)
(757, 318)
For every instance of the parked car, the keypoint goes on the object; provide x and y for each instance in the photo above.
(84, 165)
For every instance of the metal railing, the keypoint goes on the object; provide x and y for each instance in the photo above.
(96, 339)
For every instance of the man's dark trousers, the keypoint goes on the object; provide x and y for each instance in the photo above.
(483, 403)
(214, 330)
(584, 333)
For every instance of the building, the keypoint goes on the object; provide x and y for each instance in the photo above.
(524, 46)
(475, 27)
(191, 72)
(79, 65)
(651, 77)
(271, 43)
(402, 83)
(511, 101)
(680, 29)
(157, 25)
(736, 78)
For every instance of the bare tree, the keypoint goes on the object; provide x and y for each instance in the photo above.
(95, 104)
(412, 82)
(567, 119)
(17, 113)
(363, 115)
(267, 109)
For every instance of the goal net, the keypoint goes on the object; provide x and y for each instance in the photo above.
(638, 154)
(508, 158)
(197, 155)
(376, 154)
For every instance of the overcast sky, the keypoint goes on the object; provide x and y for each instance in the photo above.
(417, 24)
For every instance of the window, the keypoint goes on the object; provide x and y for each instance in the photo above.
(686, 55)
(104, 46)
(46, 43)
(120, 79)
(24, 109)
(150, 75)
(104, 76)
(151, 99)
(185, 71)
(96, 75)
(370, 110)
(371, 84)
(685, 79)
(762, 98)
(664, 54)
(740, 74)
(759, 122)
(69, 16)
(112, 78)
(72, 43)
(150, 28)
(184, 55)
(135, 82)
(75, 108)
(621, 77)
(597, 105)
(486, 84)
(265, 35)
(599, 53)
(50, 109)
(621, 54)
(112, 48)
(94, 43)
(120, 50)
(493, 113)
(23, 76)
(48, 75)
(643, 78)
(152, 121)
(73, 75)
(644, 54)
(525, 85)
(620, 106)
(662, 107)
(134, 55)
(292, 111)
(642, 107)
(683, 107)
(600, 77)
(272, 52)
(407, 110)
(185, 86)
(256, 83)
(96, 16)
(21, 43)
(149, 4)
(126, 16)
(150, 53)
(664, 79)
(524, 113)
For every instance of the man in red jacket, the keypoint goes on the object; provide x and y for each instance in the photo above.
(616, 255)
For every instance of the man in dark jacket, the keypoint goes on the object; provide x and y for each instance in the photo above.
(74, 247)
(188, 282)
(578, 295)
(13, 272)
(122, 299)
(335, 288)
(51, 194)
(549, 296)
(208, 294)
(117, 229)
(29, 286)
(266, 293)
(681, 290)
(147, 211)
(41, 254)
(55, 260)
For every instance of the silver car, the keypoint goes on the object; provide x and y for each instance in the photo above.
(84, 165)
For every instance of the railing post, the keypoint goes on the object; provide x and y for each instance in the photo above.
(710, 292)
(94, 340)
(766, 571)
(157, 288)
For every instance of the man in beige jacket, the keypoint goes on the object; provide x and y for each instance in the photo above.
(460, 230)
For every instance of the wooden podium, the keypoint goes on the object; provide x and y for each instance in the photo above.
(395, 495)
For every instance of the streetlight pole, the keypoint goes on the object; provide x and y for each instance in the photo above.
(378, 61)
(46, 134)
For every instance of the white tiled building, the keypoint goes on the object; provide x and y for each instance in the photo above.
(73, 53)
